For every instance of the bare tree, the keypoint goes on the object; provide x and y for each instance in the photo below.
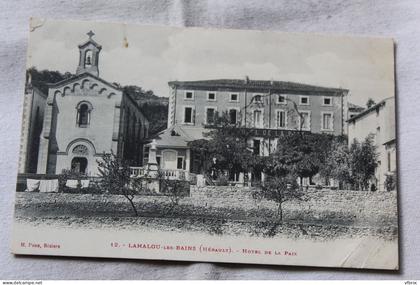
(279, 189)
(176, 189)
(115, 174)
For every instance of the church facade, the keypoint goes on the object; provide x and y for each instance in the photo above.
(84, 117)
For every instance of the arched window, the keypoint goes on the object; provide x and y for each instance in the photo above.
(83, 114)
(88, 58)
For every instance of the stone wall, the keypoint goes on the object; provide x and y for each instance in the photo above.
(373, 210)
(359, 207)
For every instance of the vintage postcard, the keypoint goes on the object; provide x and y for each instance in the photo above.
(207, 145)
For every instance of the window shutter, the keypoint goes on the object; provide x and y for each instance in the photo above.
(193, 115)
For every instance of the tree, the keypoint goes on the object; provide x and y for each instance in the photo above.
(363, 161)
(279, 189)
(391, 181)
(155, 108)
(176, 189)
(115, 174)
(299, 154)
(42, 78)
(225, 148)
(337, 163)
(201, 150)
(370, 103)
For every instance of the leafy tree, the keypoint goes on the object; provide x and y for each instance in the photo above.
(363, 161)
(42, 78)
(299, 154)
(155, 108)
(157, 114)
(115, 174)
(202, 151)
(227, 145)
(337, 163)
(370, 102)
(391, 181)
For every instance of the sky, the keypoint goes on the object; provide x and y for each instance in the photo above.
(151, 56)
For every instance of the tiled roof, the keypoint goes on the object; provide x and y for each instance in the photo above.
(177, 136)
(367, 111)
(80, 76)
(92, 42)
(263, 84)
(355, 107)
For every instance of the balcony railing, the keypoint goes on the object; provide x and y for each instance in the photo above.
(171, 174)
(137, 171)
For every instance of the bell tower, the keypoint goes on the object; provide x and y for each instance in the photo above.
(89, 56)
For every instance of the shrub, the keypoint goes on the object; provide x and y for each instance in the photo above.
(391, 181)
(222, 180)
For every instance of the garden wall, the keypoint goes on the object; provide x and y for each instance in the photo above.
(341, 205)
(333, 207)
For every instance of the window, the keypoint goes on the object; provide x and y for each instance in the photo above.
(80, 150)
(256, 147)
(327, 101)
(234, 97)
(188, 115)
(281, 119)
(304, 100)
(83, 114)
(211, 96)
(180, 162)
(258, 99)
(189, 95)
(258, 119)
(146, 155)
(88, 58)
(210, 116)
(281, 99)
(158, 160)
(233, 116)
(389, 160)
(305, 121)
(327, 121)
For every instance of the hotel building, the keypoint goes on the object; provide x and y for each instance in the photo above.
(268, 108)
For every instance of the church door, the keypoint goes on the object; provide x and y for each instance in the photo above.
(79, 164)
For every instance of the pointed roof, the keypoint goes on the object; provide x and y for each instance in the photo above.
(80, 76)
(178, 136)
(90, 41)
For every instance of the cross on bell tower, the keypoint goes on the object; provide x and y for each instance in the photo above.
(89, 56)
(90, 34)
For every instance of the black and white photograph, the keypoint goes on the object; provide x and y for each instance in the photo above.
(216, 145)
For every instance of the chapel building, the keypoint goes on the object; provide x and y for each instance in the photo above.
(84, 117)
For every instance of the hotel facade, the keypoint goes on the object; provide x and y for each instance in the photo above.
(267, 108)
